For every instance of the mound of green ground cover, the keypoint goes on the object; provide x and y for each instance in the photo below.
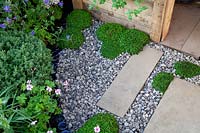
(22, 57)
(161, 81)
(118, 39)
(133, 41)
(106, 122)
(79, 19)
(186, 69)
(71, 38)
(109, 34)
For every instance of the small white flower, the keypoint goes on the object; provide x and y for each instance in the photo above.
(58, 91)
(49, 89)
(33, 123)
(97, 129)
(50, 131)
(28, 82)
(29, 87)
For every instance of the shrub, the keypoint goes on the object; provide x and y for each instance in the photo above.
(79, 19)
(161, 81)
(133, 41)
(106, 122)
(22, 57)
(186, 69)
(71, 38)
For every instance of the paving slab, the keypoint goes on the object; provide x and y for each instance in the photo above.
(130, 80)
(178, 111)
(192, 45)
(184, 20)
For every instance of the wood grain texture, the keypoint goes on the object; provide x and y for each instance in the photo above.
(77, 4)
(158, 19)
(167, 18)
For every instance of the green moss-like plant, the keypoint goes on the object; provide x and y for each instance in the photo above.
(109, 34)
(71, 38)
(106, 122)
(186, 69)
(117, 39)
(79, 19)
(133, 41)
(161, 81)
(22, 57)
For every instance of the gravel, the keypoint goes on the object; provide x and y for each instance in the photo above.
(89, 75)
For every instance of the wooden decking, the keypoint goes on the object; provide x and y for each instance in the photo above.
(184, 32)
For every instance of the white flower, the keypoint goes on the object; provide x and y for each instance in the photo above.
(49, 89)
(28, 82)
(50, 131)
(29, 87)
(97, 129)
(33, 123)
(58, 91)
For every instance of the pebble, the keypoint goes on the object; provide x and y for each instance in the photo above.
(90, 75)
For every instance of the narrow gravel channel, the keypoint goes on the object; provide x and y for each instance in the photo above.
(89, 75)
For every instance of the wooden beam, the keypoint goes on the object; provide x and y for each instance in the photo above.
(77, 4)
(167, 18)
(157, 19)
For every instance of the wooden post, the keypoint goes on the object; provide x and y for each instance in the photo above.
(157, 19)
(167, 18)
(77, 4)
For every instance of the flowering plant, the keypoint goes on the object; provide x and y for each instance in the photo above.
(34, 16)
(31, 110)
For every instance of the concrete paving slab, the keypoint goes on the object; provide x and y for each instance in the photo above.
(184, 20)
(178, 111)
(122, 92)
(192, 45)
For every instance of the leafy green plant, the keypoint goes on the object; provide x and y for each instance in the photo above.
(186, 69)
(79, 19)
(22, 57)
(161, 81)
(31, 110)
(36, 17)
(106, 122)
(133, 40)
(71, 38)
(121, 4)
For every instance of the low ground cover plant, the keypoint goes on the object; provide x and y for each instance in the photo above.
(79, 19)
(72, 37)
(133, 41)
(117, 39)
(109, 34)
(161, 81)
(100, 123)
(36, 17)
(186, 69)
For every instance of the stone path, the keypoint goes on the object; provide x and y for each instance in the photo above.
(122, 92)
(178, 111)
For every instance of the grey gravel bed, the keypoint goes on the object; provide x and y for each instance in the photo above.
(89, 75)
